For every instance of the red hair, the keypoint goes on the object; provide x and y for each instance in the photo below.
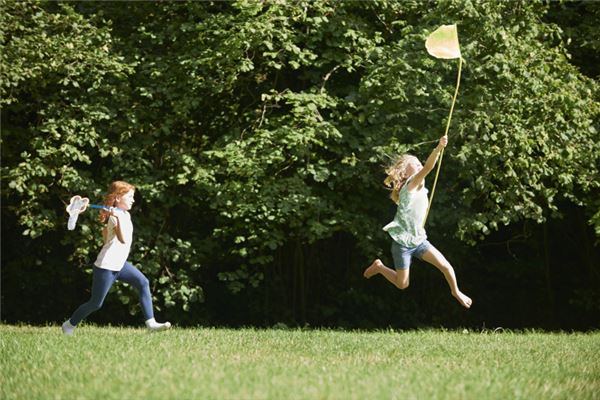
(116, 189)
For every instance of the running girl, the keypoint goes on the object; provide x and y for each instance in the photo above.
(112, 264)
(406, 177)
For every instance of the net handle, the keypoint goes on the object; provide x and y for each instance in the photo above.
(437, 171)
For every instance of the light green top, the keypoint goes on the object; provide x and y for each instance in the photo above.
(407, 227)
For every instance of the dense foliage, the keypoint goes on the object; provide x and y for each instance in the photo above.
(256, 134)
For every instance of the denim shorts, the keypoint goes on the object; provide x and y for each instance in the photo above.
(403, 255)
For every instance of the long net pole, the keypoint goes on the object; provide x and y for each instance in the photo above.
(437, 171)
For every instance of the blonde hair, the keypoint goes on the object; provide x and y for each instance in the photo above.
(397, 175)
(116, 189)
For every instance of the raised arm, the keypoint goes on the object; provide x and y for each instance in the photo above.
(417, 181)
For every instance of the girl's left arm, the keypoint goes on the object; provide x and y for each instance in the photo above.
(118, 231)
(429, 164)
(117, 227)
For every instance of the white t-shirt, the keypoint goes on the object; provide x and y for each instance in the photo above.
(114, 253)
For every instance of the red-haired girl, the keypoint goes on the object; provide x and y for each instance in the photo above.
(112, 264)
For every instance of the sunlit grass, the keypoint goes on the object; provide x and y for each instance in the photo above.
(202, 363)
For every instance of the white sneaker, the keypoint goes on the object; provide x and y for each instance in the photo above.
(157, 326)
(67, 328)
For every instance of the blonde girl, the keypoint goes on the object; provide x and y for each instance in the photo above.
(111, 264)
(406, 177)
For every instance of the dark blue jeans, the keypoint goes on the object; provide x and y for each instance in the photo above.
(102, 281)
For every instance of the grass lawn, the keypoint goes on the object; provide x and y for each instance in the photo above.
(203, 363)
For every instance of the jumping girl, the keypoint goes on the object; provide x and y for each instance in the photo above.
(406, 177)
(112, 264)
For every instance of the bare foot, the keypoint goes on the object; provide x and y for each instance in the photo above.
(463, 299)
(373, 269)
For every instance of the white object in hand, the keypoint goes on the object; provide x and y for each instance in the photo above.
(76, 206)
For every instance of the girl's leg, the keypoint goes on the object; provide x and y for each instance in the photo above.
(437, 259)
(101, 282)
(398, 277)
(134, 277)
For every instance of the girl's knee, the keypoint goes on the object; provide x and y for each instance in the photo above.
(95, 305)
(142, 284)
(145, 283)
(446, 266)
(402, 278)
(402, 284)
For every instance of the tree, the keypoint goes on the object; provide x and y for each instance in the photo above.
(256, 134)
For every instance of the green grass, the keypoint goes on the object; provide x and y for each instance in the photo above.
(125, 363)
